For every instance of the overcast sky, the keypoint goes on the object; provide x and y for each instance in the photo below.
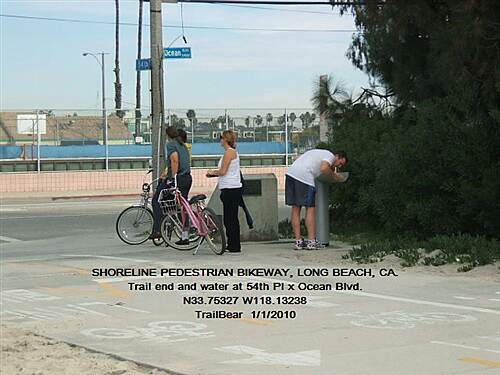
(42, 64)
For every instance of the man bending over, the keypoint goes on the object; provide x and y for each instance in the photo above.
(300, 190)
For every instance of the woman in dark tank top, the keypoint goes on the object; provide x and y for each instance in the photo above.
(178, 166)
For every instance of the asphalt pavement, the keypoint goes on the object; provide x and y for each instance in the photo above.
(412, 323)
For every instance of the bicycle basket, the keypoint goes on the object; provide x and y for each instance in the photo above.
(167, 201)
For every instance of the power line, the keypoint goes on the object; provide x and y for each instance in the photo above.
(274, 2)
(71, 20)
(278, 9)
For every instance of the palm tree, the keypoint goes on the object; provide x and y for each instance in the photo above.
(259, 120)
(330, 97)
(281, 120)
(138, 114)
(307, 119)
(176, 121)
(302, 118)
(118, 85)
(292, 116)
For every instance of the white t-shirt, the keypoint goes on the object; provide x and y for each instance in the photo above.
(307, 167)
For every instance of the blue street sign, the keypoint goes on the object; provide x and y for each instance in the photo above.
(143, 64)
(177, 53)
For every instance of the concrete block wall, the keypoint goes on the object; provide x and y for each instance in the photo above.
(111, 181)
(263, 208)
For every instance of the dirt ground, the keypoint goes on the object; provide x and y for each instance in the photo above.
(23, 352)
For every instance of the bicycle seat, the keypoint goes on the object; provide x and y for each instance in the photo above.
(197, 198)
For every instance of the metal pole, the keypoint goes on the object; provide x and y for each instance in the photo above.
(286, 138)
(322, 214)
(156, 82)
(192, 132)
(38, 162)
(104, 116)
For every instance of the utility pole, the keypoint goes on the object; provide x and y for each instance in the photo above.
(104, 115)
(156, 85)
(104, 112)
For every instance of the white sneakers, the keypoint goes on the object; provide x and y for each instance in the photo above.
(299, 244)
(307, 245)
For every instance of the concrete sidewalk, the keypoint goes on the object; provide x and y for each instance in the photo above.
(413, 323)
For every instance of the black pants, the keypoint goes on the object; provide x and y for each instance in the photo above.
(184, 183)
(231, 202)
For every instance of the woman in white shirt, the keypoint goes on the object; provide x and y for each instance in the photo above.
(230, 187)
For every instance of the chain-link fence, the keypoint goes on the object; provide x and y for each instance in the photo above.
(94, 139)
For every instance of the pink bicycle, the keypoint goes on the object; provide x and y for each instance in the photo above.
(194, 217)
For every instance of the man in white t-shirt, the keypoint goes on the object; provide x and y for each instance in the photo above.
(300, 190)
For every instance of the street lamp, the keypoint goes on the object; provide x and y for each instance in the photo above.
(104, 117)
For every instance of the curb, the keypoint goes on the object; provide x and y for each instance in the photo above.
(100, 196)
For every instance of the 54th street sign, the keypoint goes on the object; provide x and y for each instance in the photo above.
(168, 53)
(143, 64)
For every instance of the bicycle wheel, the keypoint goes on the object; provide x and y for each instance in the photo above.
(216, 239)
(171, 231)
(134, 225)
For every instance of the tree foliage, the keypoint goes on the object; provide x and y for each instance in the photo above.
(432, 164)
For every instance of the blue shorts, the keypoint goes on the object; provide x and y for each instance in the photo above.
(299, 194)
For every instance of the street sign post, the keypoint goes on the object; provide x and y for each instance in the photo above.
(143, 64)
(177, 53)
(168, 53)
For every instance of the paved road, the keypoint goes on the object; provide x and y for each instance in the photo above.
(410, 324)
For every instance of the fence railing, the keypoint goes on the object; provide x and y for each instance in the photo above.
(35, 135)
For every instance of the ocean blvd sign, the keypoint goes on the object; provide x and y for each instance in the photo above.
(177, 53)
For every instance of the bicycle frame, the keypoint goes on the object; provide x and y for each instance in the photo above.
(194, 218)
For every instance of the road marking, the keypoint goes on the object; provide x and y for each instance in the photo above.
(115, 291)
(494, 338)
(70, 204)
(393, 298)
(403, 320)
(256, 321)
(485, 362)
(106, 257)
(56, 216)
(165, 332)
(126, 278)
(9, 239)
(261, 357)
(464, 298)
(3, 209)
(25, 295)
(464, 346)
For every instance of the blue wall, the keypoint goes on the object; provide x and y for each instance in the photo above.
(96, 151)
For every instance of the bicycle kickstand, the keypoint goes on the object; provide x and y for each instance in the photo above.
(197, 247)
